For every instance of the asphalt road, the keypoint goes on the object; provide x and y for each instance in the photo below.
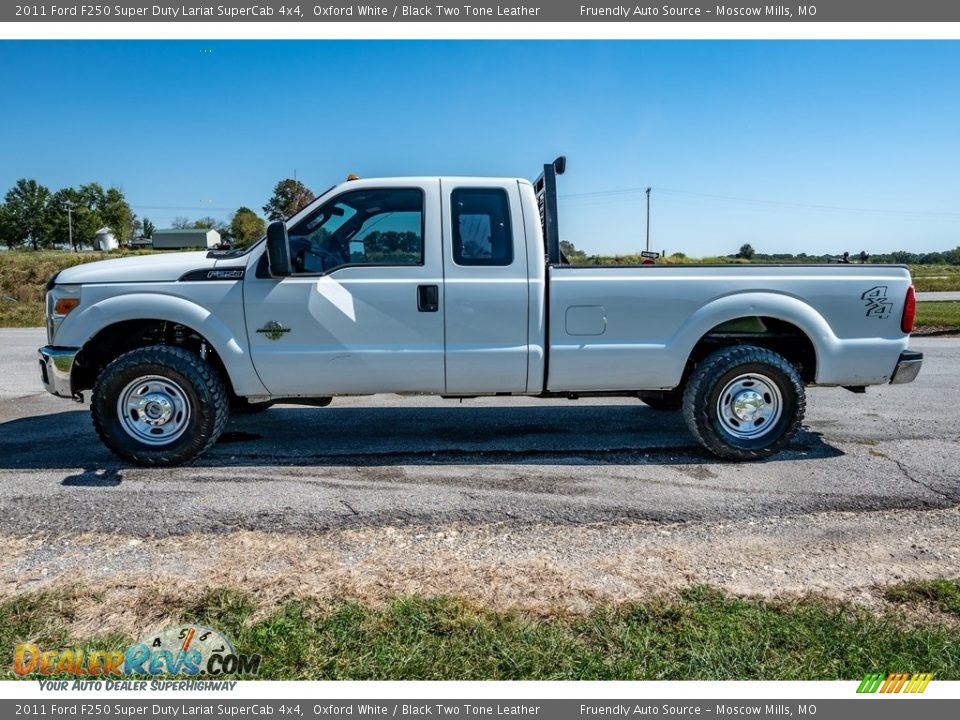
(937, 296)
(367, 462)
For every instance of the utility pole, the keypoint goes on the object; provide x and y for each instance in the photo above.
(648, 218)
(68, 205)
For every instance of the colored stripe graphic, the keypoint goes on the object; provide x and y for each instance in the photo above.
(919, 682)
(894, 683)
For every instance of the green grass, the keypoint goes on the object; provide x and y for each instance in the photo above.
(930, 278)
(23, 279)
(938, 314)
(942, 595)
(702, 634)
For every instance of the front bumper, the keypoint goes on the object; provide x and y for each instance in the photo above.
(908, 367)
(56, 364)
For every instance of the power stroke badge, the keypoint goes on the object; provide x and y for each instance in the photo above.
(273, 330)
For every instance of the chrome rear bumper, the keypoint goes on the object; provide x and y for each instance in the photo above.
(908, 367)
(56, 363)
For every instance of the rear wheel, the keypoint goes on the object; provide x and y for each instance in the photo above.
(744, 403)
(159, 406)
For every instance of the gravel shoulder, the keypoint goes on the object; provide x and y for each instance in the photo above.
(539, 569)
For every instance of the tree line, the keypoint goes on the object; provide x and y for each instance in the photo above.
(747, 253)
(897, 257)
(32, 216)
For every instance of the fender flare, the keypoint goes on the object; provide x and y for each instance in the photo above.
(758, 304)
(85, 323)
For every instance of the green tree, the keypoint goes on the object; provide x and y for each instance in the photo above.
(84, 215)
(289, 197)
(571, 252)
(246, 226)
(148, 228)
(746, 251)
(9, 234)
(117, 215)
(26, 217)
(205, 223)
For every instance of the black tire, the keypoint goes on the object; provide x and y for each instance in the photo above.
(662, 400)
(739, 372)
(188, 389)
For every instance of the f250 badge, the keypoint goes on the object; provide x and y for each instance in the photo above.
(878, 306)
(273, 330)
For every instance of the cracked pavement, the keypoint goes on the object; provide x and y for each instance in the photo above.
(401, 461)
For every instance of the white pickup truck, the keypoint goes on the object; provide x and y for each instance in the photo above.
(457, 287)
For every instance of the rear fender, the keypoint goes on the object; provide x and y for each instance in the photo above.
(754, 304)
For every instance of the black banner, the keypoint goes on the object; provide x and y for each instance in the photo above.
(291, 11)
(872, 708)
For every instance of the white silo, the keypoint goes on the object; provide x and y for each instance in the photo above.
(106, 240)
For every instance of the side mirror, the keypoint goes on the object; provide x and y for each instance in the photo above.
(278, 249)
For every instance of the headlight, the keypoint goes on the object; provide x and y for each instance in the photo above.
(61, 301)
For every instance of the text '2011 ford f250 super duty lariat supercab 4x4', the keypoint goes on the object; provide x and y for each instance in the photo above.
(457, 287)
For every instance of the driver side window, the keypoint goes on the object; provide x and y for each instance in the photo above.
(363, 227)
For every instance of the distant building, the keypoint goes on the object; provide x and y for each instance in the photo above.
(184, 239)
(106, 240)
(141, 242)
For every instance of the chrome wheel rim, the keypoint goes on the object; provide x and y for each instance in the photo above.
(749, 406)
(153, 410)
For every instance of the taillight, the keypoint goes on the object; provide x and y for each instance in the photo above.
(909, 311)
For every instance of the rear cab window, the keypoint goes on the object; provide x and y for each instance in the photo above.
(481, 226)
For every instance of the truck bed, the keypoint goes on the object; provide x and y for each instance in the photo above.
(624, 327)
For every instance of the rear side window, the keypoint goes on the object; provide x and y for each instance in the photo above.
(481, 227)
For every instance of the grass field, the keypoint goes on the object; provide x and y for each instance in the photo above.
(701, 634)
(23, 279)
(944, 315)
(932, 278)
(24, 274)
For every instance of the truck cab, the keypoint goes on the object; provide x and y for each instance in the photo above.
(419, 285)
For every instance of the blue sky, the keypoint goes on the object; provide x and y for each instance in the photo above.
(790, 146)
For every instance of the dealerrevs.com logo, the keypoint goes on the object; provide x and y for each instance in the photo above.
(895, 683)
(192, 650)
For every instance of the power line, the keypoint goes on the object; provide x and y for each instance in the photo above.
(181, 207)
(609, 195)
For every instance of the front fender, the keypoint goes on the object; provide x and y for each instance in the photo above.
(83, 324)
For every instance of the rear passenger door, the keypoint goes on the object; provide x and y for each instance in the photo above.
(486, 298)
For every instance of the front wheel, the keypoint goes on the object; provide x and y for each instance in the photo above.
(744, 403)
(159, 406)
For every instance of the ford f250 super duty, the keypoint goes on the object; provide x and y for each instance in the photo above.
(457, 287)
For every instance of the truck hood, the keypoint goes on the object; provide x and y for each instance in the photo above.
(165, 267)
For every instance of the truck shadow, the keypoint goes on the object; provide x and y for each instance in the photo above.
(573, 434)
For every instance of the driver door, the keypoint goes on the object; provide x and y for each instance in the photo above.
(363, 311)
